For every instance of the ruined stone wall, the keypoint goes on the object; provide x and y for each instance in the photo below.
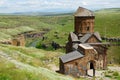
(19, 41)
(22, 40)
(15, 42)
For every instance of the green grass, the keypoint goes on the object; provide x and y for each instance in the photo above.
(114, 75)
(29, 64)
(109, 10)
(108, 22)
(32, 56)
(113, 54)
(9, 71)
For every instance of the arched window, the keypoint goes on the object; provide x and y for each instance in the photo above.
(87, 28)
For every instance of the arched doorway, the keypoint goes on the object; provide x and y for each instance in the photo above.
(91, 65)
(91, 68)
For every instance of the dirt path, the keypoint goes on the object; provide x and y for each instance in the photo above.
(114, 68)
(98, 73)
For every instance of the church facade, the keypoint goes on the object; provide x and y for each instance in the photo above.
(84, 49)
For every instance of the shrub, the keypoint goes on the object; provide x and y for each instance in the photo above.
(108, 76)
(4, 76)
(115, 74)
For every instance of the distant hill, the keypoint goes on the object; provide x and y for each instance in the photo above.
(108, 10)
(38, 13)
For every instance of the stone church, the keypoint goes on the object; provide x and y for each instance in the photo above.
(84, 49)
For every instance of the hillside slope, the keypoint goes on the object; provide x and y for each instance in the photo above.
(16, 64)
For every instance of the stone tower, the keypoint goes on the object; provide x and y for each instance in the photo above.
(84, 21)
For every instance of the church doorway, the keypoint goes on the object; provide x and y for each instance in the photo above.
(91, 68)
(91, 65)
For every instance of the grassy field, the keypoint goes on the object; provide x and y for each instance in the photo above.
(31, 62)
(109, 22)
(20, 63)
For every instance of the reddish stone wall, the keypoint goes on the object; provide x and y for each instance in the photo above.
(101, 57)
(93, 39)
(99, 62)
(80, 66)
(82, 24)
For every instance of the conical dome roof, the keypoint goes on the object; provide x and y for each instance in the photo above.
(83, 12)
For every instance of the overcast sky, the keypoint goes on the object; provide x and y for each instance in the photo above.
(9, 6)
